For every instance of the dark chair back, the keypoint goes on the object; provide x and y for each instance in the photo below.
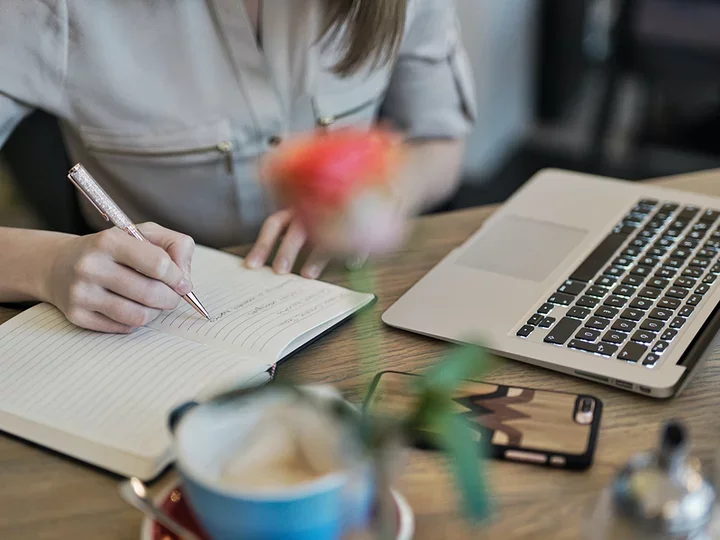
(36, 156)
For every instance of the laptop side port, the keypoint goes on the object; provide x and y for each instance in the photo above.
(591, 376)
(623, 384)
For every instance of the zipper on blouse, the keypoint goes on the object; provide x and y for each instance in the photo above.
(328, 120)
(224, 147)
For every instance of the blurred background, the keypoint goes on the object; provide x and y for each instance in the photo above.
(624, 88)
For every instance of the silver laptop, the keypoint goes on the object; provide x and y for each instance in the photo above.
(603, 279)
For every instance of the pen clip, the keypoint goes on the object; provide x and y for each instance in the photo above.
(70, 177)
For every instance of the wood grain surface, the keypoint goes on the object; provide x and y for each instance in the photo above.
(47, 496)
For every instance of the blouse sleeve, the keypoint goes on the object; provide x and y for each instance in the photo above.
(33, 58)
(431, 93)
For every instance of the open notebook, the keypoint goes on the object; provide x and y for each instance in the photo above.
(104, 398)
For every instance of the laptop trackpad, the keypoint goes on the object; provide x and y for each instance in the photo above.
(520, 247)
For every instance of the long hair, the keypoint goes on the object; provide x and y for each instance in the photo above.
(370, 30)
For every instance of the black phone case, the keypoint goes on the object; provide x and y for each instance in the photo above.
(545, 432)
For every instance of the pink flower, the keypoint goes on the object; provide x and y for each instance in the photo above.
(339, 183)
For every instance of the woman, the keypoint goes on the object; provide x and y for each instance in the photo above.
(170, 104)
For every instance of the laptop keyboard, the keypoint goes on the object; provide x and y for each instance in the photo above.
(632, 296)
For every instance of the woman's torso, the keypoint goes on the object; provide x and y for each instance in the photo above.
(170, 104)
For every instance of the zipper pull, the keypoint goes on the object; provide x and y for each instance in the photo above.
(226, 147)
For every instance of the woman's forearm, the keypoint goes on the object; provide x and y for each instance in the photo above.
(26, 259)
(431, 175)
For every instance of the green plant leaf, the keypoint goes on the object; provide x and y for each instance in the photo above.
(467, 463)
(464, 362)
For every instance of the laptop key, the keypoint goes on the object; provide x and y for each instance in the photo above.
(689, 243)
(677, 292)
(578, 312)
(641, 303)
(597, 291)
(669, 207)
(694, 300)
(599, 257)
(652, 325)
(605, 281)
(614, 271)
(623, 325)
(666, 242)
(561, 299)
(702, 288)
(535, 319)
(587, 334)
(677, 322)
(640, 242)
(666, 273)
(689, 212)
(686, 311)
(657, 251)
(643, 336)
(700, 262)
(588, 301)
(631, 252)
(681, 253)
(624, 290)
(660, 347)
(648, 261)
(632, 314)
(572, 287)
(673, 263)
(525, 331)
(615, 301)
(709, 215)
(641, 270)
(715, 269)
(562, 331)
(692, 272)
(633, 280)
(632, 352)
(597, 322)
(669, 303)
(668, 334)
(613, 336)
(651, 359)
(622, 261)
(650, 292)
(605, 349)
(660, 314)
(686, 282)
(710, 278)
(547, 322)
(606, 312)
(709, 253)
(658, 283)
(545, 309)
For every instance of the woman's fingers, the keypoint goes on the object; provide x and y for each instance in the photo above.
(291, 245)
(119, 309)
(180, 247)
(315, 264)
(125, 282)
(269, 236)
(97, 322)
(146, 258)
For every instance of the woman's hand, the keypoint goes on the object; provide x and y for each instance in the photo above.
(285, 229)
(112, 282)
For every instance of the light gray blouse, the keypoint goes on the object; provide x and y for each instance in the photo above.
(169, 104)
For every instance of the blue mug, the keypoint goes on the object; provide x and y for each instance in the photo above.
(325, 508)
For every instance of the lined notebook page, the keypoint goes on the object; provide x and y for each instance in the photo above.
(256, 311)
(115, 390)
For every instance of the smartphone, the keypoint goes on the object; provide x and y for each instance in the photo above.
(541, 427)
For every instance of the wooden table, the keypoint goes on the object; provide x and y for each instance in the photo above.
(46, 496)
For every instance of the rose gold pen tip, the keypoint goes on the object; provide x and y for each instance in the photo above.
(194, 302)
